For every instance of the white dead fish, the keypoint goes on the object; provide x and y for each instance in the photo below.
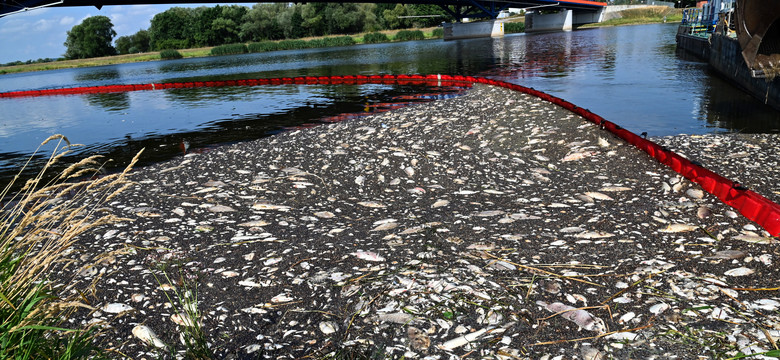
(386, 226)
(368, 255)
(582, 318)
(462, 340)
(754, 238)
(598, 196)
(281, 298)
(577, 156)
(397, 318)
(740, 271)
(266, 206)
(440, 203)
(255, 223)
(371, 204)
(695, 193)
(489, 213)
(324, 214)
(183, 320)
(360, 180)
(117, 308)
(594, 235)
(221, 208)
(603, 142)
(703, 212)
(328, 327)
(677, 228)
(145, 334)
(659, 308)
(615, 188)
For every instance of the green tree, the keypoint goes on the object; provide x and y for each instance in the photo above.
(173, 29)
(123, 44)
(394, 18)
(132, 44)
(260, 23)
(91, 38)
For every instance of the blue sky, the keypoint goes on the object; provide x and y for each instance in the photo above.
(41, 33)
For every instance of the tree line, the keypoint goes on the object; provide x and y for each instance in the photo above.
(180, 28)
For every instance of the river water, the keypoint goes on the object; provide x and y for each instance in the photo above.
(630, 75)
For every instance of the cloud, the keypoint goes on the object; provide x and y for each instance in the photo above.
(67, 20)
(43, 25)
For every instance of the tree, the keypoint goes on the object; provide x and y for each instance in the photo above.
(132, 44)
(173, 29)
(91, 38)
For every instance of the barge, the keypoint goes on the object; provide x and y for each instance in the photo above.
(740, 39)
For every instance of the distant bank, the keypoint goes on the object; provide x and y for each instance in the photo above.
(628, 17)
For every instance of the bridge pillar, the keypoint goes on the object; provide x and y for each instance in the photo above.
(560, 21)
(489, 28)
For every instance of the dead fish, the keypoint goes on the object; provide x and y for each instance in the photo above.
(740, 271)
(598, 196)
(440, 203)
(221, 208)
(266, 206)
(371, 204)
(145, 334)
(324, 214)
(463, 340)
(386, 226)
(703, 212)
(676, 228)
(489, 213)
(756, 239)
(577, 156)
(281, 298)
(582, 318)
(572, 229)
(594, 235)
(368, 255)
(728, 254)
(695, 193)
(397, 318)
(603, 142)
(615, 188)
(117, 308)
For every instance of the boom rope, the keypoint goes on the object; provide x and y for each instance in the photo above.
(753, 206)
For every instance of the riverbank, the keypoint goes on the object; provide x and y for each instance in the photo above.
(640, 16)
(489, 225)
(205, 52)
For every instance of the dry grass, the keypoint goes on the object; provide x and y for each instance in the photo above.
(38, 226)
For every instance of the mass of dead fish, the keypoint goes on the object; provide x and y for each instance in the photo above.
(492, 225)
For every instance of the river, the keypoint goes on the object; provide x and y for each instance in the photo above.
(630, 75)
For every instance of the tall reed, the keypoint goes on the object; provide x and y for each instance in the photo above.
(38, 227)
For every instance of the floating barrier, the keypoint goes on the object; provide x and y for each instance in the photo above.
(750, 204)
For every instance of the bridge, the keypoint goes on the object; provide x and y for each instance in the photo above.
(570, 11)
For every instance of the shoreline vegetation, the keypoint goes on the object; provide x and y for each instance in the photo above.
(639, 16)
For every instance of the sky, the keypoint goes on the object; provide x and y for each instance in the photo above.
(41, 33)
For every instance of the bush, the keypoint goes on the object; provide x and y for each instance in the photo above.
(437, 33)
(339, 41)
(170, 54)
(514, 27)
(293, 44)
(168, 44)
(375, 37)
(229, 49)
(406, 35)
(263, 46)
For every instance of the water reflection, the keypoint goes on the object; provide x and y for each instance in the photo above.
(726, 107)
(110, 102)
(97, 74)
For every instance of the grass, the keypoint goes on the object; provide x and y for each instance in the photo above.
(645, 15)
(229, 49)
(38, 227)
